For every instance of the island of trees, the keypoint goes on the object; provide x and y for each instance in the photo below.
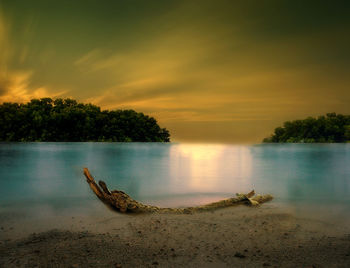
(323, 129)
(67, 120)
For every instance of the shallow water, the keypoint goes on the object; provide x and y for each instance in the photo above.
(44, 179)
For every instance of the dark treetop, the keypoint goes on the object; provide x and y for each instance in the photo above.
(66, 120)
(330, 128)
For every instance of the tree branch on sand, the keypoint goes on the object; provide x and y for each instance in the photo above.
(121, 202)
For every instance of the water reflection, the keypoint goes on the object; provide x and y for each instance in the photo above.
(50, 174)
(304, 173)
(210, 168)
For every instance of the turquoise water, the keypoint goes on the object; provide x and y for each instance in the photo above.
(48, 176)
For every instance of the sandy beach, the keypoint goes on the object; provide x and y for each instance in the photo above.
(268, 236)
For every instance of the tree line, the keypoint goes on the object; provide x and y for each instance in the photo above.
(46, 119)
(324, 129)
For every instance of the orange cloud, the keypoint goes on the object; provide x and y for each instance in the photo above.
(18, 89)
(14, 83)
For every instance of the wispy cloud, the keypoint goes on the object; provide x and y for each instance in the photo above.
(17, 89)
(229, 69)
(15, 83)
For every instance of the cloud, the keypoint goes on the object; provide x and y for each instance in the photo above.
(17, 89)
(224, 66)
(88, 57)
(15, 83)
(4, 85)
(5, 48)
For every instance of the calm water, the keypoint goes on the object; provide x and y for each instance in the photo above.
(47, 177)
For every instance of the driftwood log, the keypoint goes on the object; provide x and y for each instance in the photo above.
(121, 202)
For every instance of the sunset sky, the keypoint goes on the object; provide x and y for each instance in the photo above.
(214, 71)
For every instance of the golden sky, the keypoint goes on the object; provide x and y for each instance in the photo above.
(214, 71)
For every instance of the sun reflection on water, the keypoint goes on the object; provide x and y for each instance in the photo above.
(210, 168)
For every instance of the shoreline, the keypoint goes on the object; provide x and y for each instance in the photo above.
(267, 236)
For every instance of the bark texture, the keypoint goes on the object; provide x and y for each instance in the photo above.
(121, 202)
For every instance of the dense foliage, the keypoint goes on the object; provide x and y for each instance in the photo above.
(330, 128)
(66, 120)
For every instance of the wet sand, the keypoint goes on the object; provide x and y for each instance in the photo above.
(267, 236)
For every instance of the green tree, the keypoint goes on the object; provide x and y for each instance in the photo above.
(330, 128)
(67, 120)
(347, 132)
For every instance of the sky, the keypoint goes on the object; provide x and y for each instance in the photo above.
(209, 71)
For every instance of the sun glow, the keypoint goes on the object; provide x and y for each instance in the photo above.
(203, 167)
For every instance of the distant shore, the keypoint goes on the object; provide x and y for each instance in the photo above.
(233, 237)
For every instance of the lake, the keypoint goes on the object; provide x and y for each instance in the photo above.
(44, 179)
